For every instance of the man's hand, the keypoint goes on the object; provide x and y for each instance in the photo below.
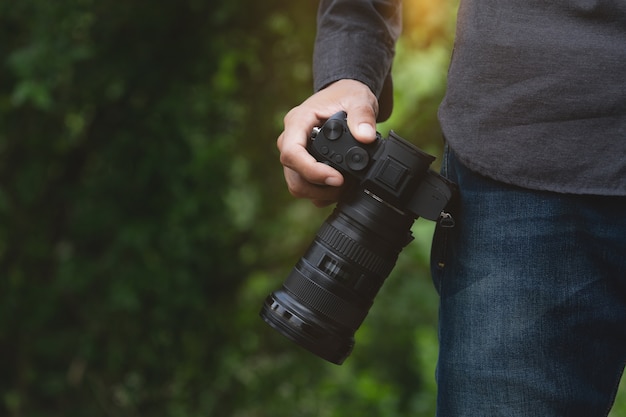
(305, 177)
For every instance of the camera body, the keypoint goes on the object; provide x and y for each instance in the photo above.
(330, 290)
(394, 170)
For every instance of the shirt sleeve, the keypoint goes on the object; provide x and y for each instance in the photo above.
(356, 40)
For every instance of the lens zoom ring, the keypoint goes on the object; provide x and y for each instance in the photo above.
(351, 249)
(324, 301)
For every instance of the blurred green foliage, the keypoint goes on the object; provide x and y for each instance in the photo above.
(143, 214)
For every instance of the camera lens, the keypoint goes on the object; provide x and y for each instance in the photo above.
(329, 292)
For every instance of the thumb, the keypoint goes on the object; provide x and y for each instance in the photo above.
(362, 124)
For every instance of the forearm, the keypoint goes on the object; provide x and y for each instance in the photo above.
(356, 40)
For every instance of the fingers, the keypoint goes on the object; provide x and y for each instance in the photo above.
(293, 155)
(320, 195)
(306, 177)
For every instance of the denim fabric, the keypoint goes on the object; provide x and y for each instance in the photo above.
(533, 301)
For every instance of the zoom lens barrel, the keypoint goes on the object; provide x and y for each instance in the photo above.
(329, 292)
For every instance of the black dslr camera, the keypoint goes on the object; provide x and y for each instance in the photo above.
(329, 292)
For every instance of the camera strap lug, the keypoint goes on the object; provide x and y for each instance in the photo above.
(446, 220)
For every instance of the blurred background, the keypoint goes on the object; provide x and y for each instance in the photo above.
(144, 217)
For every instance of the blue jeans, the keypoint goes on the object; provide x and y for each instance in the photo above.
(533, 301)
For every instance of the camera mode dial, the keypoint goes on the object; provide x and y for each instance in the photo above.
(333, 129)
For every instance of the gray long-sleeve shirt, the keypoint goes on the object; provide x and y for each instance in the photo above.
(536, 89)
